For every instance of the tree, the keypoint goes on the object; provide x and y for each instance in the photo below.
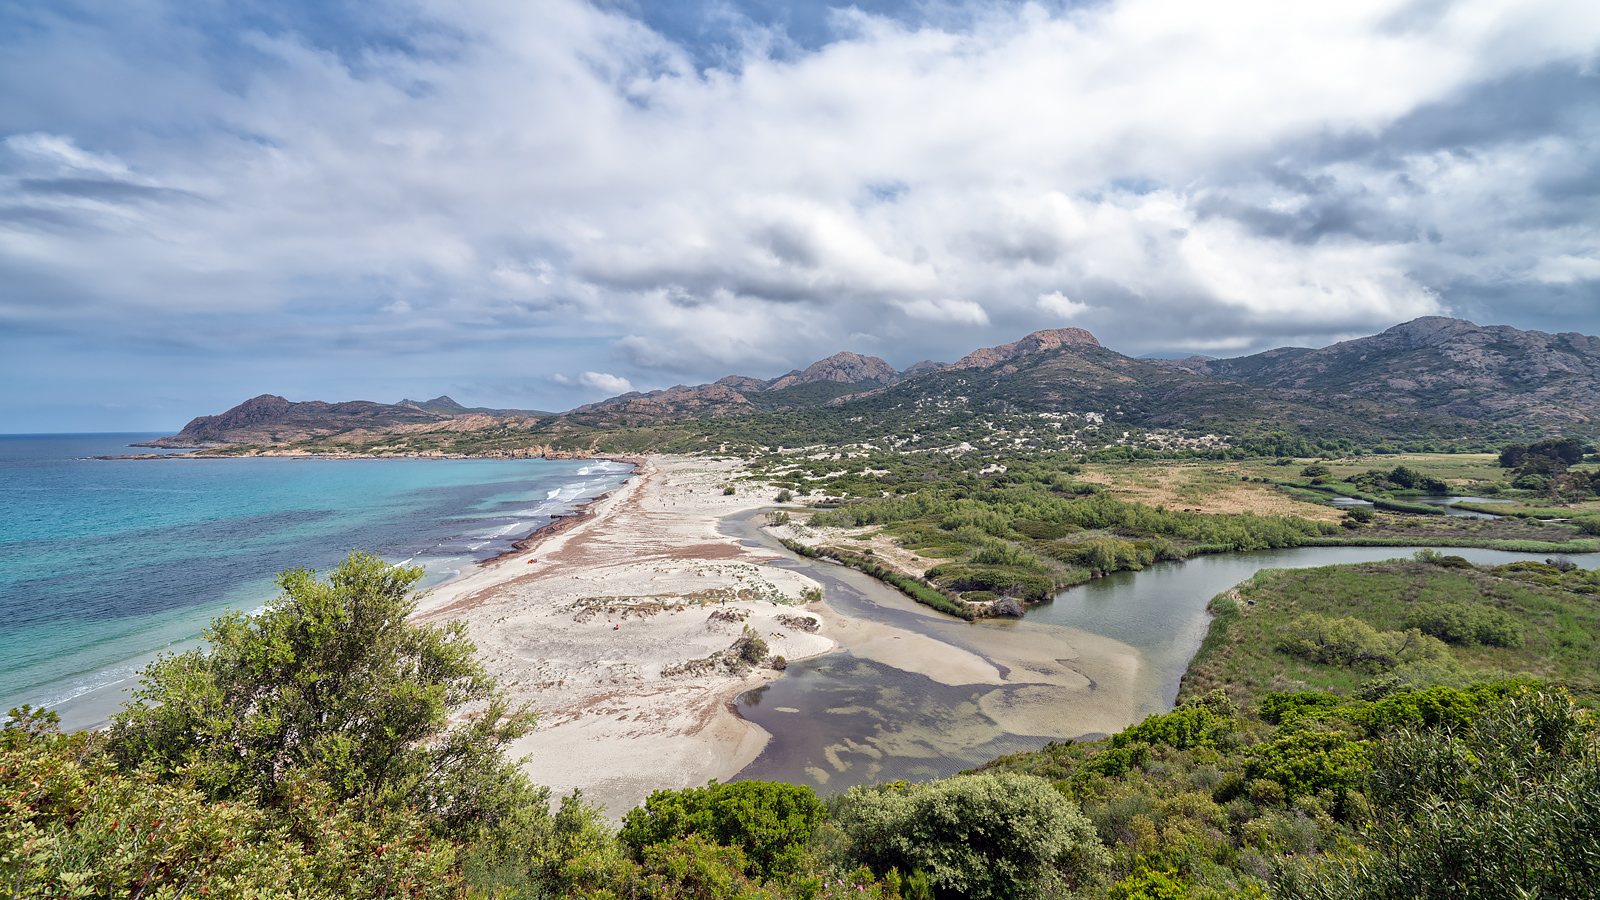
(72, 825)
(768, 822)
(332, 682)
(989, 836)
(1404, 477)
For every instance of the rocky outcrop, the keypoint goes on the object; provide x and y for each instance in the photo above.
(272, 419)
(1440, 365)
(445, 405)
(842, 368)
(1038, 342)
(1199, 365)
(674, 403)
(927, 365)
(743, 383)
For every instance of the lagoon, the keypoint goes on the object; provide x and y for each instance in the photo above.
(843, 719)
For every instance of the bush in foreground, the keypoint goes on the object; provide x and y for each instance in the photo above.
(331, 682)
(989, 836)
(769, 822)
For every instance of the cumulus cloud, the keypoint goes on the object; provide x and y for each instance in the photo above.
(597, 381)
(1057, 304)
(611, 384)
(561, 176)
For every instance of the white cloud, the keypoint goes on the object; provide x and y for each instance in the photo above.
(1567, 269)
(549, 172)
(63, 155)
(600, 381)
(1057, 304)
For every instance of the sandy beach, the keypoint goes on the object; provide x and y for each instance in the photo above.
(602, 623)
(609, 622)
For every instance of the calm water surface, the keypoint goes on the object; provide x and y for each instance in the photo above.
(103, 564)
(839, 720)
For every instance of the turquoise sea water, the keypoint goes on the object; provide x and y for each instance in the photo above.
(104, 564)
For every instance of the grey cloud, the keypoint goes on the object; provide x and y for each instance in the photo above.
(485, 176)
(101, 189)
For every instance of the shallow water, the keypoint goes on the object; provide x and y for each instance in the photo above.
(1447, 501)
(105, 563)
(841, 720)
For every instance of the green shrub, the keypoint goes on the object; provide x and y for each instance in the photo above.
(768, 822)
(72, 825)
(1146, 884)
(332, 679)
(1466, 623)
(995, 552)
(1201, 722)
(1436, 707)
(1351, 642)
(1305, 763)
(962, 577)
(1280, 707)
(750, 647)
(983, 837)
(1107, 555)
(1359, 515)
(1506, 808)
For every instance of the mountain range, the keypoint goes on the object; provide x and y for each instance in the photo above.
(1435, 376)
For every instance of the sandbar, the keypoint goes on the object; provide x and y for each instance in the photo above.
(600, 624)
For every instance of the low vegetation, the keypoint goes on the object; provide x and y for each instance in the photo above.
(1412, 728)
(1435, 619)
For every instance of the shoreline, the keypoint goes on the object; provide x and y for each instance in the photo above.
(580, 513)
(610, 621)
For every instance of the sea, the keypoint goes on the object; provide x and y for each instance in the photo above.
(106, 564)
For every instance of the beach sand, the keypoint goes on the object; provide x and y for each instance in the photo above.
(599, 620)
(641, 584)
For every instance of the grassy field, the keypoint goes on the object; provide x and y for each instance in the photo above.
(1557, 612)
(1246, 485)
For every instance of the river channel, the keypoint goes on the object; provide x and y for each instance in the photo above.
(911, 693)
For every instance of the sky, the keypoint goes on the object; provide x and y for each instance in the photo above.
(541, 204)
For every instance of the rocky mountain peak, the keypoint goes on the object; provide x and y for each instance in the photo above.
(917, 368)
(1038, 342)
(1432, 331)
(845, 368)
(263, 408)
(742, 383)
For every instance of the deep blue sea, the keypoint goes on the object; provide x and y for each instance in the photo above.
(105, 564)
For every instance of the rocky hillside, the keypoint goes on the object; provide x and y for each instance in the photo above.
(1038, 342)
(1439, 366)
(841, 374)
(1066, 373)
(443, 404)
(271, 419)
(1434, 378)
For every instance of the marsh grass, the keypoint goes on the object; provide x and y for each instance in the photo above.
(1561, 627)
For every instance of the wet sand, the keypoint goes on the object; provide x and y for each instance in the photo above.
(591, 621)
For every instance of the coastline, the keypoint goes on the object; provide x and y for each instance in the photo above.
(591, 617)
(581, 513)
